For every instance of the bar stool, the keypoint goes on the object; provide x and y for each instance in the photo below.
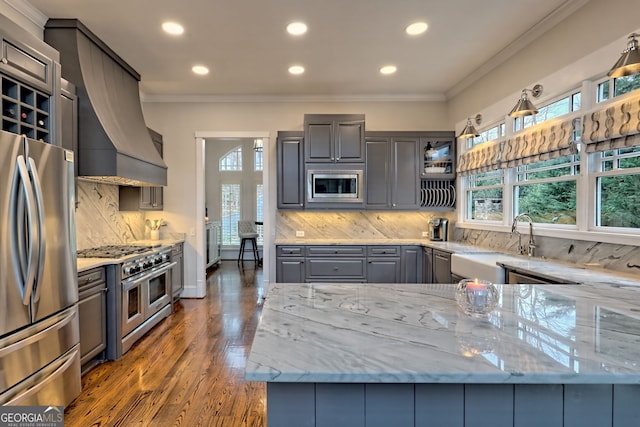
(247, 232)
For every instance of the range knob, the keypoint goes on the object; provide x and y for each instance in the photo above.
(130, 269)
(147, 264)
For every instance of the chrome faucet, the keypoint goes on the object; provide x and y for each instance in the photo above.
(531, 245)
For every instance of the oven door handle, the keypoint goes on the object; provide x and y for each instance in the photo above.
(131, 283)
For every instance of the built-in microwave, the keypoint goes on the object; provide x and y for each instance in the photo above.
(325, 185)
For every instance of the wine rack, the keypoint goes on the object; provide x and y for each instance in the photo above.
(25, 111)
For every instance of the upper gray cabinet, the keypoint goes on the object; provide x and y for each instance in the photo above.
(392, 171)
(334, 138)
(290, 152)
(28, 72)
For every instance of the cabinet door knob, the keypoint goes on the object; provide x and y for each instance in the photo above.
(337, 159)
(4, 61)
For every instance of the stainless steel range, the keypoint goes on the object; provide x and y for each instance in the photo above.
(142, 296)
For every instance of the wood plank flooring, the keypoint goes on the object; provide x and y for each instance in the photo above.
(189, 369)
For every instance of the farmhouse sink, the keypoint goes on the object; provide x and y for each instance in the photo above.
(480, 265)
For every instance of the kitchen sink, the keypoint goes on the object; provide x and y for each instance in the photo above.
(480, 266)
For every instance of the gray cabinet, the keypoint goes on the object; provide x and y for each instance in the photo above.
(290, 170)
(177, 274)
(26, 57)
(441, 267)
(427, 265)
(349, 263)
(92, 316)
(383, 264)
(290, 264)
(392, 172)
(411, 265)
(144, 198)
(335, 263)
(334, 138)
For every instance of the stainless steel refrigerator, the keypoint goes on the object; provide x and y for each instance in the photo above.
(39, 331)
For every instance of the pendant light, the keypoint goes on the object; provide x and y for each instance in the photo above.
(524, 107)
(258, 144)
(469, 130)
(629, 62)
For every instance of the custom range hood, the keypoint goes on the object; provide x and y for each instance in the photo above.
(114, 144)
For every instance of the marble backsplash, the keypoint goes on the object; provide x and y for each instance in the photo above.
(620, 258)
(353, 224)
(99, 220)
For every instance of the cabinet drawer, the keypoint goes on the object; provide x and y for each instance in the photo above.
(336, 268)
(27, 64)
(91, 277)
(377, 251)
(335, 251)
(290, 251)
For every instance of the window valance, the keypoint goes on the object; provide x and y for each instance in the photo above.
(617, 125)
(548, 140)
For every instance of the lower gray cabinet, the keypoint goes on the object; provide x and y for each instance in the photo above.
(383, 264)
(411, 264)
(290, 264)
(177, 274)
(92, 314)
(349, 264)
(335, 263)
(427, 265)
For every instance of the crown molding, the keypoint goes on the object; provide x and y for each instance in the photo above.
(159, 98)
(27, 10)
(545, 24)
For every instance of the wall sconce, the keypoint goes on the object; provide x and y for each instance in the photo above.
(258, 144)
(524, 107)
(469, 130)
(629, 62)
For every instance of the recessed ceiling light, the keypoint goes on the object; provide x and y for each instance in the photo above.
(297, 28)
(296, 69)
(416, 28)
(172, 28)
(388, 69)
(200, 70)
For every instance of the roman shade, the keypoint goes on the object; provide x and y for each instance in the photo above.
(549, 140)
(616, 125)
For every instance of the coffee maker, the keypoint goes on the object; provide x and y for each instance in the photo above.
(439, 229)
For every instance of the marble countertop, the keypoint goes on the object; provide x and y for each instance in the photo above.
(415, 333)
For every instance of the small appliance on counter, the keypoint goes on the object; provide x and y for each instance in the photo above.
(439, 229)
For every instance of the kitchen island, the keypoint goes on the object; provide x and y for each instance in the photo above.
(405, 355)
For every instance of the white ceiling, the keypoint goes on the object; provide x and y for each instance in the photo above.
(245, 44)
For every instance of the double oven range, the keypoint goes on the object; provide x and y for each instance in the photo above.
(140, 294)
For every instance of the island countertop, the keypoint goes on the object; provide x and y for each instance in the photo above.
(415, 333)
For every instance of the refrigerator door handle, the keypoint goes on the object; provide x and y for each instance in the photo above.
(24, 253)
(37, 189)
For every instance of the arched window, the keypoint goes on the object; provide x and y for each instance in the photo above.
(232, 161)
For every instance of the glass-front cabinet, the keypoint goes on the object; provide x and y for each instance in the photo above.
(438, 158)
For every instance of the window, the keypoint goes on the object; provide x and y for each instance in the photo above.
(490, 134)
(484, 196)
(618, 188)
(230, 206)
(257, 161)
(232, 161)
(547, 190)
(611, 88)
(557, 108)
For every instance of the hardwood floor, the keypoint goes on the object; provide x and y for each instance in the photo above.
(188, 370)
